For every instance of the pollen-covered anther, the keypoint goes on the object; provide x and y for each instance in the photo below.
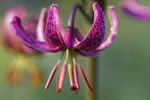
(51, 76)
(71, 77)
(76, 82)
(61, 77)
(75, 74)
(53, 72)
(62, 73)
(84, 78)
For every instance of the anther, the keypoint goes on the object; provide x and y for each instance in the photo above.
(62, 73)
(84, 78)
(53, 72)
(75, 74)
(61, 77)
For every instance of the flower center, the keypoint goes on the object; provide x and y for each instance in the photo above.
(70, 64)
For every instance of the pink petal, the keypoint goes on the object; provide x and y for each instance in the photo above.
(53, 28)
(16, 11)
(113, 29)
(96, 34)
(113, 32)
(136, 10)
(41, 25)
(28, 40)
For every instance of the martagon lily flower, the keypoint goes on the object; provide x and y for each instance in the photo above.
(21, 62)
(70, 42)
(136, 10)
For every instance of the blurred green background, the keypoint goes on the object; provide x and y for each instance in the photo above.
(122, 72)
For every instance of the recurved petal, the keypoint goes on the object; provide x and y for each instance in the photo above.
(41, 24)
(29, 41)
(53, 28)
(97, 32)
(10, 39)
(136, 10)
(15, 11)
(113, 29)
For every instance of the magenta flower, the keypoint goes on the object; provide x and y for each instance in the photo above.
(70, 42)
(136, 10)
(20, 63)
(10, 39)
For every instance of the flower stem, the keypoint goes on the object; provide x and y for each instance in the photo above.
(91, 74)
(73, 12)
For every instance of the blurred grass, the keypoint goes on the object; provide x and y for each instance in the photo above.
(123, 72)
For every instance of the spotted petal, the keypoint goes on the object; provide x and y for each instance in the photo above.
(113, 32)
(53, 29)
(134, 9)
(29, 41)
(96, 34)
(113, 29)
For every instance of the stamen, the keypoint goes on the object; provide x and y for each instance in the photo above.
(75, 74)
(76, 79)
(51, 76)
(73, 58)
(62, 73)
(76, 91)
(71, 78)
(53, 72)
(84, 78)
(58, 78)
(61, 77)
(67, 56)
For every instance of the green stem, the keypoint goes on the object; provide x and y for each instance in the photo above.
(73, 13)
(91, 74)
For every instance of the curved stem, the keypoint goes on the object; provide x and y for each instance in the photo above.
(73, 12)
